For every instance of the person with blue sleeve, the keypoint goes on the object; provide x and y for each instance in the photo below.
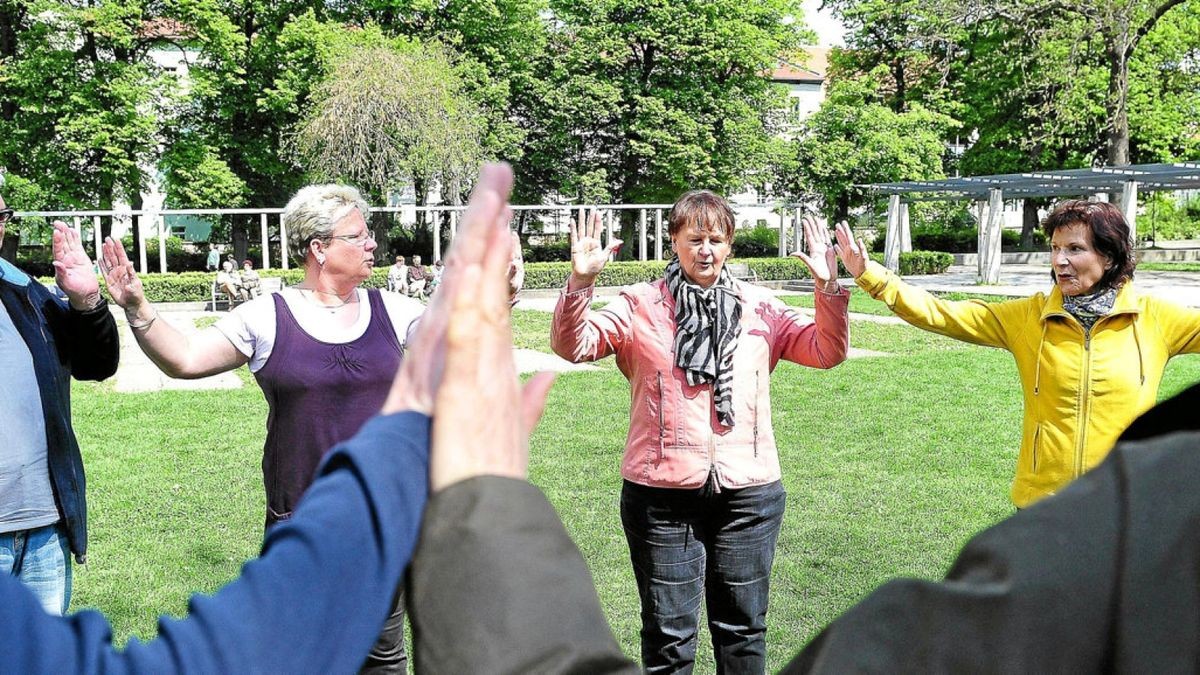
(46, 340)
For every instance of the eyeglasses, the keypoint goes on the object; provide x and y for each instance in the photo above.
(6, 215)
(359, 239)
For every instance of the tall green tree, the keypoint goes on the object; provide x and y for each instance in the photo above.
(640, 101)
(855, 138)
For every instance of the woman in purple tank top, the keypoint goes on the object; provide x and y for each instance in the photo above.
(324, 352)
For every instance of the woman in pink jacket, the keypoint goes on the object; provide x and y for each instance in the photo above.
(702, 500)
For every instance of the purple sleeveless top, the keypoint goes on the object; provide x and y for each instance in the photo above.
(318, 395)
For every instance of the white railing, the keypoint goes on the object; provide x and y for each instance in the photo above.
(650, 224)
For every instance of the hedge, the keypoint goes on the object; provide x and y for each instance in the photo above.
(197, 286)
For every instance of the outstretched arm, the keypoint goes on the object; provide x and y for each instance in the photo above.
(90, 331)
(972, 321)
(176, 354)
(577, 333)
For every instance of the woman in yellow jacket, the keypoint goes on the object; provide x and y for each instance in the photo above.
(1090, 353)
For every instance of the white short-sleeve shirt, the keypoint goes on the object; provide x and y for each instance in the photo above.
(251, 326)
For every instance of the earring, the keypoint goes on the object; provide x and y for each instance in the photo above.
(320, 260)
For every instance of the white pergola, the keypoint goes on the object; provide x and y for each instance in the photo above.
(989, 193)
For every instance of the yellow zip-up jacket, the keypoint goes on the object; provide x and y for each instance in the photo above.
(1080, 391)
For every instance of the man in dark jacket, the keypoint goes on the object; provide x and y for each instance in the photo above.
(44, 341)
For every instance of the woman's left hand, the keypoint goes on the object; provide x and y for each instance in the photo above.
(821, 258)
(73, 270)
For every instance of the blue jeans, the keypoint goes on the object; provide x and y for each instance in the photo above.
(691, 544)
(41, 558)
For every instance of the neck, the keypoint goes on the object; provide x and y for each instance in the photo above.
(328, 288)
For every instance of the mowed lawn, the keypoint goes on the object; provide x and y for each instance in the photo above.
(890, 463)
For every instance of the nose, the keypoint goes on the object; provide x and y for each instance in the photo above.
(1058, 258)
(371, 244)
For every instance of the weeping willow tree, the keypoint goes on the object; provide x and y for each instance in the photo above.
(387, 117)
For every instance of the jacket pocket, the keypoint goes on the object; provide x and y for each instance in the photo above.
(1036, 448)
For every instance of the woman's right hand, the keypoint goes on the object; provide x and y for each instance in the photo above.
(123, 283)
(852, 252)
(588, 257)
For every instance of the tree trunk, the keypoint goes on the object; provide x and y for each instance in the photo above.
(8, 247)
(1116, 106)
(841, 208)
(1029, 222)
(241, 239)
(135, 228)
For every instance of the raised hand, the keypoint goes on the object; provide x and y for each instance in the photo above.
(459, 361)
(820, 259)
(588, 256)
(516, 269)
(123, 283)
(73, 268)
(853, 253)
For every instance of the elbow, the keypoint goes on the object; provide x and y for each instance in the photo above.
(832, 357)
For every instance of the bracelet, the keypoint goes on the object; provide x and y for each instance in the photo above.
(143, 326)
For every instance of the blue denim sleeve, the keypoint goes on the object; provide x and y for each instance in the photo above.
(314, 601)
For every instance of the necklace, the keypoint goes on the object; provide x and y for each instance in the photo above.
(346, 299)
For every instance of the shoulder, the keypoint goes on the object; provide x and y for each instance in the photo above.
(402, 310)
(257, 312)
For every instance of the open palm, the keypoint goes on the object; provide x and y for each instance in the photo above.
(72, 267)
(123, 283)
(820, 258)
(588, 256)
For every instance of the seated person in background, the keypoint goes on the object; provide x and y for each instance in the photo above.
(250, 281)
(229, 283)
(397, 278)
(417, 278)
(436, 275)
(306, 607)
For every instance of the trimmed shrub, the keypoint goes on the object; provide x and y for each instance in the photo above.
(756, 242)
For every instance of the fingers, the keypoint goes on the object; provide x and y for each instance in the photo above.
(594, 225)
(613, 245)
(533, 400)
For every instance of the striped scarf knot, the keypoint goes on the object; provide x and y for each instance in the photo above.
(707, 325)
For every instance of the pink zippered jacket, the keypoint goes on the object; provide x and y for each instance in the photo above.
(674, 437)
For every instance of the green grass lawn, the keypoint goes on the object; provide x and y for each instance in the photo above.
(1170, 266)
(890, 464)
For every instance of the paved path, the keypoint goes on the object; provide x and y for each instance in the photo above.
(137, 373)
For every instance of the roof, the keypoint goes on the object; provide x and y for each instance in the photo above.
(1061, 183)
(165, 28)
(813, 70)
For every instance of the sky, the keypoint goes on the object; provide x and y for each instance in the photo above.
(829, 30)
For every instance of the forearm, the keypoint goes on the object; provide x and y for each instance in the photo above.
(575, 334)
(970, 321)
(823, 343)
(312, 602)
(95, 345)
(498, 586)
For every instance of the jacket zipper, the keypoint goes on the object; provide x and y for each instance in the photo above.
(1083, 395)
(662, 428)
(1037, 438)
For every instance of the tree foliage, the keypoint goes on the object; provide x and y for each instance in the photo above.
(384, 116)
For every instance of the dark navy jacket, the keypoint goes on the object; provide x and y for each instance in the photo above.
(313, 602)
(64, 343)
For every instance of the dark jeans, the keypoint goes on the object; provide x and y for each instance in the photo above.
(387, 654)
(689, 544)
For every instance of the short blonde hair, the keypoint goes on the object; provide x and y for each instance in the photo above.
(313, 212)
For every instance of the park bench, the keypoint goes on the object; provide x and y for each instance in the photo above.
(218, 299)
(742, 271)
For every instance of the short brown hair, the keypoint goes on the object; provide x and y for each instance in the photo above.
(1110, 235)
(703, 209)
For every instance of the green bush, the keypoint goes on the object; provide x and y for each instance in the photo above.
(756, 242)
(1164, 219)
(961, 240)
(553, 251)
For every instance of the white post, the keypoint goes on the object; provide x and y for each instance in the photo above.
(96, 234)
(797, 231)
(162, 242)
(642, 234)
(783, 234)
(658, 235)
(437, 236)
(141, 230)
(266, 240)
(1129, 208)
(77, 226)
(283, 244)
(991, 250)
(905, 230)
(608, 230)
(453, 225)
(891, 244)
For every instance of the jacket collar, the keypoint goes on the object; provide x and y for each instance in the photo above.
(12, 275)
(1126, 302)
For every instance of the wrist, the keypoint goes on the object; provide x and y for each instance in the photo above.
(829, 285)
(86, 302)
(578, 282)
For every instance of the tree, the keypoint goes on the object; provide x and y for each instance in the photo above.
(385, 116)
(855, 139)
(640, 101)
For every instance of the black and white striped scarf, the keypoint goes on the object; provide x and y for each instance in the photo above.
(707, 325)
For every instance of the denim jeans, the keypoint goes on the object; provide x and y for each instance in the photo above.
(41, 558)
(691, 544)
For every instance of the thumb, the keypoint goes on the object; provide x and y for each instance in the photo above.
(533, 401)
(613, 246)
